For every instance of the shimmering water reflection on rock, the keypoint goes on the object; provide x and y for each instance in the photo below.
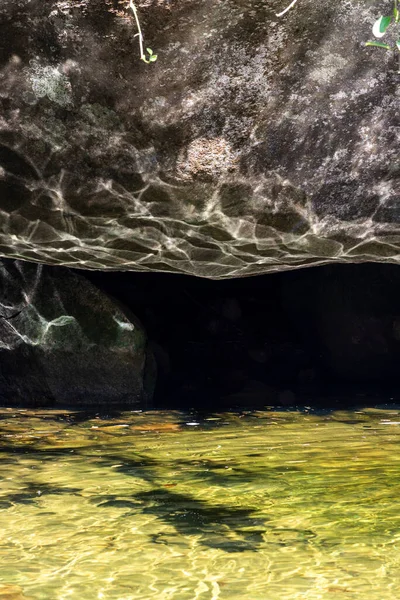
(259, 505)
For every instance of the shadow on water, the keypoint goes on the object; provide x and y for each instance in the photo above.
(233, 526)
(226, 527)
(201, 469)
(32, 492)
(230, 528)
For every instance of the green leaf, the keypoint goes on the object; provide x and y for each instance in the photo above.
(380, 26)
(378, 45)
(398, 45)
(153, 58)
(150, 51)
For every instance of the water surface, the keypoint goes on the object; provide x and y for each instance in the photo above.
(171, 506)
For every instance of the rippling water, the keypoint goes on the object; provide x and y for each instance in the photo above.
(256, 506)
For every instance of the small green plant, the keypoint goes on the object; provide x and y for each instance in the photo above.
(381, 26)
(151, 56)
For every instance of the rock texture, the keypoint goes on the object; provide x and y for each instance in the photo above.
(63, 342)
(253, 144)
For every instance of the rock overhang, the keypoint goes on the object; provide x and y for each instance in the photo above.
(253, 145)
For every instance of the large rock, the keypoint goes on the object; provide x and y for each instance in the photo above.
(254, 143)
(63, 342)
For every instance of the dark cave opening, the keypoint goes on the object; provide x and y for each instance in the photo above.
(325, 336)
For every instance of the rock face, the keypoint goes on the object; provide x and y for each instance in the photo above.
(253, 144)
(62, 342)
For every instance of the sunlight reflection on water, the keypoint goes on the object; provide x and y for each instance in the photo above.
(257, 505)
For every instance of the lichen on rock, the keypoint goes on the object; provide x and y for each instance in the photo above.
(48, 81)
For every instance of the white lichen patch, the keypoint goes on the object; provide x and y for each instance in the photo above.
(51, 82)
(66, 6)
(207, 156)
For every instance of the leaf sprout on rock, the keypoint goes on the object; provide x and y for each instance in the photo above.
(151, 56)
(381, 26)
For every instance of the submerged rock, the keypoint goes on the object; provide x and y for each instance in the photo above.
(62, 341)
(253, 144)
(11, 592)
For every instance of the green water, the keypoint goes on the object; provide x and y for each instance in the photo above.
(256, 506)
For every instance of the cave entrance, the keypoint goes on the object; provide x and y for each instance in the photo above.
(321, 336)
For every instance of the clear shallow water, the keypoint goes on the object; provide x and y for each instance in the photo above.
(257, 506)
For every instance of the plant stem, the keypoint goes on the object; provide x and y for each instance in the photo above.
(140, 35)
(288, 8)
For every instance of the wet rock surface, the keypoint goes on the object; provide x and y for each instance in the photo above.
(253, 144)
(63, 342)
